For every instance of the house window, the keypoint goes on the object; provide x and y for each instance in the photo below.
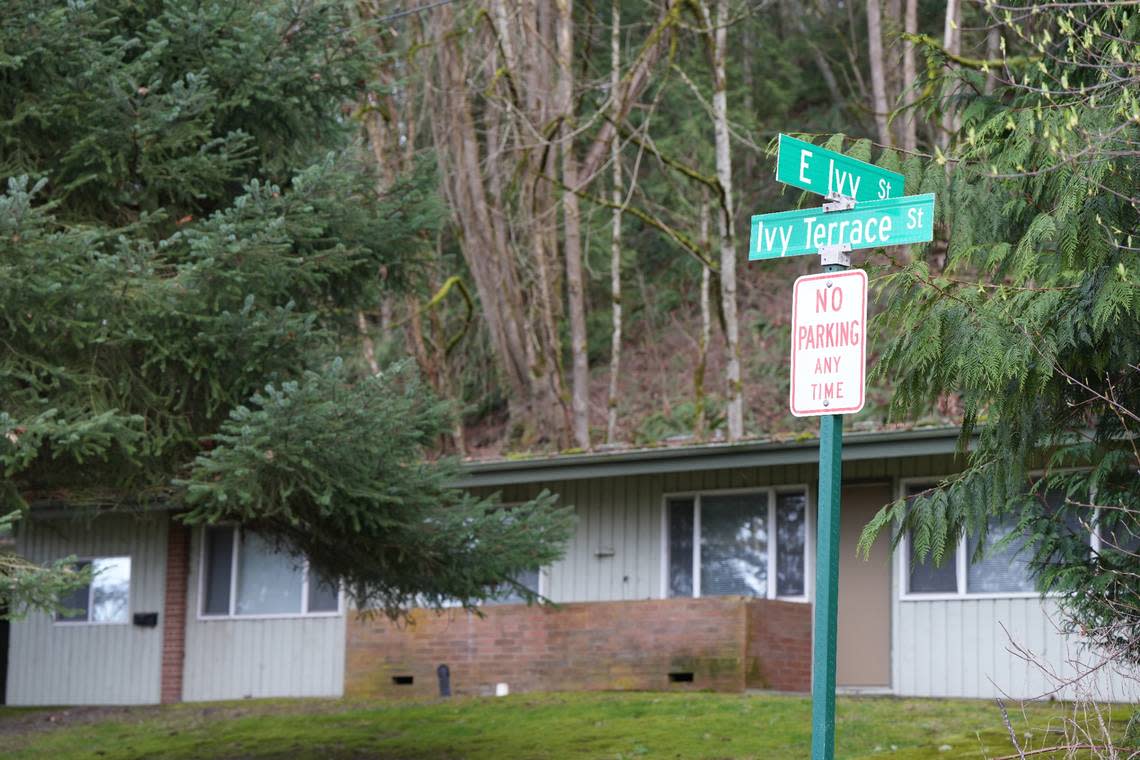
(245, 575)
(925, 577)
(106, 599)
(1001, 571)
(737, 544)
(791, 537)
(508, 594)
(734, 545)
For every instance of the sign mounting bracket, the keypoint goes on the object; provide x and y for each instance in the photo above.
(838, 254)
(835, 255)
(839, 202)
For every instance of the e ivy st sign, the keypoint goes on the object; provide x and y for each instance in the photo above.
(898, 221)
(810, 167)
(867, 209)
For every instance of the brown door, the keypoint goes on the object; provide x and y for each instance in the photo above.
(864, 636)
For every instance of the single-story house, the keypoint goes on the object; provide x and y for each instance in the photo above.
(691, 568)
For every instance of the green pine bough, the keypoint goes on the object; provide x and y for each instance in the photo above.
(187, 228)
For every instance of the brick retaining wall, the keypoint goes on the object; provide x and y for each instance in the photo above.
(727, 644)
(779, 646)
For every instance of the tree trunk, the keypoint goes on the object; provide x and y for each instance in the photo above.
(891, 24)
(615, 239)
(700, 421)
(993, 50)
(572, 234)
(910, 119)
(878, 78)
(735, 390)
(952, 42)
(368, 347)
(520, 330)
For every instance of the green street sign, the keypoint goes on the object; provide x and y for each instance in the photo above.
(874, 224)
(810, 167)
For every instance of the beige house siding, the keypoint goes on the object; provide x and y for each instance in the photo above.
(259, 657)
(960, 648)
(53, 663)
(938, 648)
(625, 514)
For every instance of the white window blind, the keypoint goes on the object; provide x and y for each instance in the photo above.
(734, 545)
(729, 544)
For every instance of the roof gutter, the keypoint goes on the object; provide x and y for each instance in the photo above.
(717, 456)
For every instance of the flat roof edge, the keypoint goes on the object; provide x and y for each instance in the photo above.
(859, 446)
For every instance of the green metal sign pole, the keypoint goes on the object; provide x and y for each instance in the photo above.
(867, 209)
(826, 582)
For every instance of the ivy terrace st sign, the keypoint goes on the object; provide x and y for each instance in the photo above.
(897, 221)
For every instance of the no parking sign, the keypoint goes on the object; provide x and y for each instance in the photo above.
(829, 343)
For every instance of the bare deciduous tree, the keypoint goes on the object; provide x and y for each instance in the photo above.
(878, 76)
(615, 237)
(735, 389)
(572, 227)
(909, 119)
(505, 127)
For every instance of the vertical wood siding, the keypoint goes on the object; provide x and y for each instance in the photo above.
(960, 648)
(625, 515)
(74, 663)
(939, 648)
(281, 657)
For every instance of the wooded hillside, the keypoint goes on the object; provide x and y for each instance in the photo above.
(600, 165)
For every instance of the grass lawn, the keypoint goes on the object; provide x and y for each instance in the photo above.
(554, 726)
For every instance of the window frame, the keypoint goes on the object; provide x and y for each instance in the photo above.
(543, 578)
(232, 615)
(542, 591)
(543, 572)
(772, 493)
(91, 594)
(961, 559)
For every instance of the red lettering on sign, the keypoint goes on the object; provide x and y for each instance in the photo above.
(824, 364)
(821, 300)
(828, 343)
(827, 391)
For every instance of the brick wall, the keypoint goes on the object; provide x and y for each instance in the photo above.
(727, 644)
(174, 612)
(779, 646)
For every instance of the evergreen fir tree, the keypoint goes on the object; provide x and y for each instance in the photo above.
(185, 235)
